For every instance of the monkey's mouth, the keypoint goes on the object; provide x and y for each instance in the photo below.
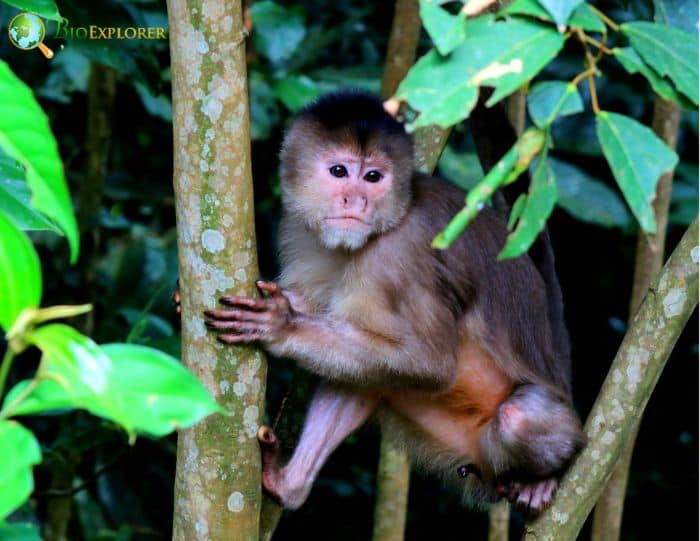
(347, 221)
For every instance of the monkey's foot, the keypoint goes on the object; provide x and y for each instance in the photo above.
(176, 298)
(530, 497)
(269, 448)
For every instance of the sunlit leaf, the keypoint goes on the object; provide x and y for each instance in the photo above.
(550, 99)
(633, 63)
(25, 135)
(277, 30)
(588, 199)
(20, 274)
(44, 8)
(500, 54)
(669, 51)
(140, 388)
(583, 16)
(533, 213)
(446, 30)
(560, 10)
(19, 451)
(158, 394)
(637, 157)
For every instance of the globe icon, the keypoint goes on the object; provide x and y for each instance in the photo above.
(26, 31)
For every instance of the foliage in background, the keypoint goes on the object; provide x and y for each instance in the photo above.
(124, 492)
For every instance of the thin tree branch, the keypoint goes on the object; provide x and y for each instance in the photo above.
(625, 392)
(607, 519)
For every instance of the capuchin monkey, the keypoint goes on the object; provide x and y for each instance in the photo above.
(457, 354)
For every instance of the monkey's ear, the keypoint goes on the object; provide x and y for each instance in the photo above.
(392, 106)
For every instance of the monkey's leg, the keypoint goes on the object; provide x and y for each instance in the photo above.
(334, 413)
(529, 442)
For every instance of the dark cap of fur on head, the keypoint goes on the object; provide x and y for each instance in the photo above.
(360, 111)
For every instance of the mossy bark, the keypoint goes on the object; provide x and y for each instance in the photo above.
(217, 485)
(632, 377)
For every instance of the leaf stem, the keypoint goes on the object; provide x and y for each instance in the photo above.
(6, 413)
(607, 20)
(5, 368)
(596, 43)
(585, 73)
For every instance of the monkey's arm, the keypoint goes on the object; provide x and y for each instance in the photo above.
(335, 349)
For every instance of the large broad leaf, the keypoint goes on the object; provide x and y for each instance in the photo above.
(583, 16)
(533, 213)
(158, 393)
(633, 63)
(25, 135)
(550, 99)
(669, 51)
(680, 13)
(15, 195)
(277, 31)
(500, 54)
(588, 199)
(19, 532)
(43, 8)
(20, 274)
(138, 387)
(447, 31)
(560, 10)
(19, 451)
(637, 158)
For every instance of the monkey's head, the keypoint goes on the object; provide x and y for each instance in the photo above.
(346, 168)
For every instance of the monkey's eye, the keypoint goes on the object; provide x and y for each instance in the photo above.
(338, 171)
(373, 176)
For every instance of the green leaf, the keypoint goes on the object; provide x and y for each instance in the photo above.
(19, 451)
(44, 8)
(682, 14)
(583, 16)
(140, 388)
(19, 532)
(158, 394)
(20, 274)
(633, 63)
(277, 31)
(533, 213)
(25, 135)
(15, 195)
(550, 99)
(296, 91)
(447, 31)
(637, 158)
(669, 51)
(500, 54)
(560, 10)
(588, 199)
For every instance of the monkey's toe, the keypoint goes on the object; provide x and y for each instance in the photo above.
(530, 497)
(266, 436)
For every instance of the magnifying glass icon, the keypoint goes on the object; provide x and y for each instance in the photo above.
(27, 31)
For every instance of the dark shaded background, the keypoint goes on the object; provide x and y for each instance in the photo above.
(128, 490)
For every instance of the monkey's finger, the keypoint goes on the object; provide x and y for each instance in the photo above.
(269, 287)
(245, 327)
(248, 302)
(236, 315)
(239, 338)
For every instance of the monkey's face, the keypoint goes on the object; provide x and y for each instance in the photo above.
(345, 194)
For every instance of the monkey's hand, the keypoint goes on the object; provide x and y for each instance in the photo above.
(248, 319)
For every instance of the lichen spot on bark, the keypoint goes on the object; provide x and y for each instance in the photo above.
(213, 241)
(695, 254)
(250, 421)
(235, 502)
(674, 301)
(561, 518)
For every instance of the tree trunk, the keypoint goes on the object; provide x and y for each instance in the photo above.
(217, 485)
(625, 392)
(607, 518)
